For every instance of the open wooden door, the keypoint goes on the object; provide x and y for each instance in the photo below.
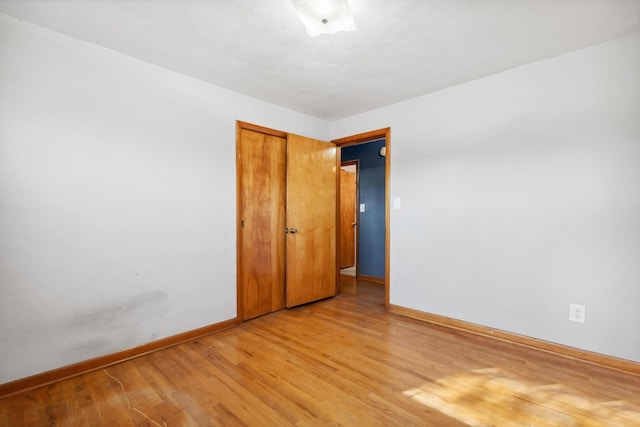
(311, 220)
(347, 243)
(261, 216)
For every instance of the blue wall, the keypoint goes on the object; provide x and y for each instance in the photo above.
(371, 238)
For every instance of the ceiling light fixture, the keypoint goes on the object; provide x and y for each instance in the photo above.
(325, 16)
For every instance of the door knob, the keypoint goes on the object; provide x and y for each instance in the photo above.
(293, 230)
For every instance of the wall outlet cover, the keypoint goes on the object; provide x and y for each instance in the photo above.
(577, 313)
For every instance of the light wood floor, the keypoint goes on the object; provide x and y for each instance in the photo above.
(342, 361)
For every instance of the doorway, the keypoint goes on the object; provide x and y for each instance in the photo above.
(348, 212)
(372, 216)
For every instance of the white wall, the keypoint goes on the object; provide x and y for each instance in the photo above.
(520, 195)
(117, 199)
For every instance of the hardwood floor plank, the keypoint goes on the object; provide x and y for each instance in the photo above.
(343, 361)
(251, 374)
(111, 407)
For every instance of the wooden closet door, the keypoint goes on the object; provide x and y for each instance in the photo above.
(261, 167)
(311, 220)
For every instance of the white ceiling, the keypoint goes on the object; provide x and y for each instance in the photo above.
(402, 49)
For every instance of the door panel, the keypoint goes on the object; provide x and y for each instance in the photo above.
(261, 243)
(347, 248)
(311, 211)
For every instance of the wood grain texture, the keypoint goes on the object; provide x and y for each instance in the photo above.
(347, 229)
(261, 168)
(311, 268)
(587, 356)
(75, 369)
(341, 361)
(372, 279)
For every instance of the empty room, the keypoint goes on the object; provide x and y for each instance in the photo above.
(320, 212)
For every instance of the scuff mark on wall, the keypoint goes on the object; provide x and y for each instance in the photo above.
(125, 322)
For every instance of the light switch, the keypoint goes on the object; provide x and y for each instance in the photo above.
(361, 207)
(396, 203)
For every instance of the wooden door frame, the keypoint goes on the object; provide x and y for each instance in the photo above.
(369, 137)
(355, 162)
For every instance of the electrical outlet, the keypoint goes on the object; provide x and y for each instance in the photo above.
(577, 313)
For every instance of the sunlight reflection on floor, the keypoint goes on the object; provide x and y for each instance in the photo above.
(491, 397)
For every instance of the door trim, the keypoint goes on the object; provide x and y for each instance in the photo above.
(257, 128)
(366, 137)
